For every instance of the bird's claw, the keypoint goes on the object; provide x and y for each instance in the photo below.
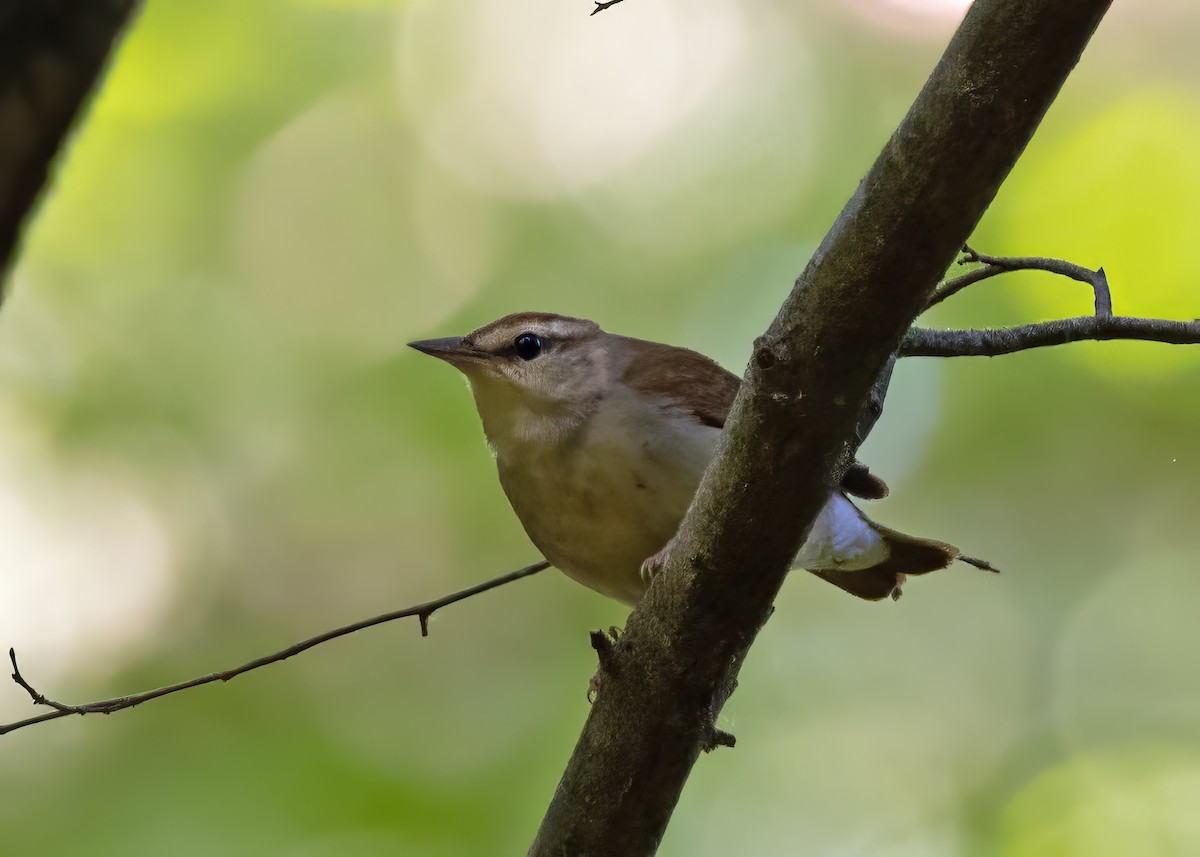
(652, 565)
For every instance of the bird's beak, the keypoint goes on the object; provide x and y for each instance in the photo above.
(452, 349)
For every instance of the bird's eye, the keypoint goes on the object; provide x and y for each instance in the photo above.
(528, 346)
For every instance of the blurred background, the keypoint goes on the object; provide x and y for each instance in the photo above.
(213, 441)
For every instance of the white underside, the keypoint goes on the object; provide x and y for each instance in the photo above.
(842, 539)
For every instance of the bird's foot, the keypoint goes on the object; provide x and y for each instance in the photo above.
(652, 565)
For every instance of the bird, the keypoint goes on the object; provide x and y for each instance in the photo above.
(600, 441)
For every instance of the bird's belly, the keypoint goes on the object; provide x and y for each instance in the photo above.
(597, 513)
(603, 550)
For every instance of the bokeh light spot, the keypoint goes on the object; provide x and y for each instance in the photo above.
(559, 100)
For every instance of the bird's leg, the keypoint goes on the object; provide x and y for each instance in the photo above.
(654, 564)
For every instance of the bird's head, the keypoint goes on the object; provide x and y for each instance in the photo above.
(534, 375)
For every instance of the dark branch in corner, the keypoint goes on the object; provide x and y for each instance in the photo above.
(108, 706)
(1103, 325)
(600, 7)
(53, 54)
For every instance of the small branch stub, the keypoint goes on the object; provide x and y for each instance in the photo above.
(602, 643)
(719, 738)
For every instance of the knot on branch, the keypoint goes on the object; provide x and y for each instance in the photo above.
(768, 358)
(770, 352)
(764, 356)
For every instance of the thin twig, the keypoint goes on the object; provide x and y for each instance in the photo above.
(923, 342)
(600, 7)
(947, 288)
(108, 706)
(1103, 325)
(993, 266)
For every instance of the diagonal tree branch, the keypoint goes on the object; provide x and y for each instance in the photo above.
(52, 52)
(108, 706)
(805, 388)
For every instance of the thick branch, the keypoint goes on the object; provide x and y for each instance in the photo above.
(922, 342)
(108, 706)
(795, 415)
(51, 54)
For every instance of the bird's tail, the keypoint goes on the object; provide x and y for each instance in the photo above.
(868, 560)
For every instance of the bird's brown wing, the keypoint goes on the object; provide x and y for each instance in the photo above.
(700, 386)
(688, 380)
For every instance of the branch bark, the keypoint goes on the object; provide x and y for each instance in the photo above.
(922, 342)
(52, 52)
(805, 388)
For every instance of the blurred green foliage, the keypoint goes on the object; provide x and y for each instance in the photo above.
(213, 442)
